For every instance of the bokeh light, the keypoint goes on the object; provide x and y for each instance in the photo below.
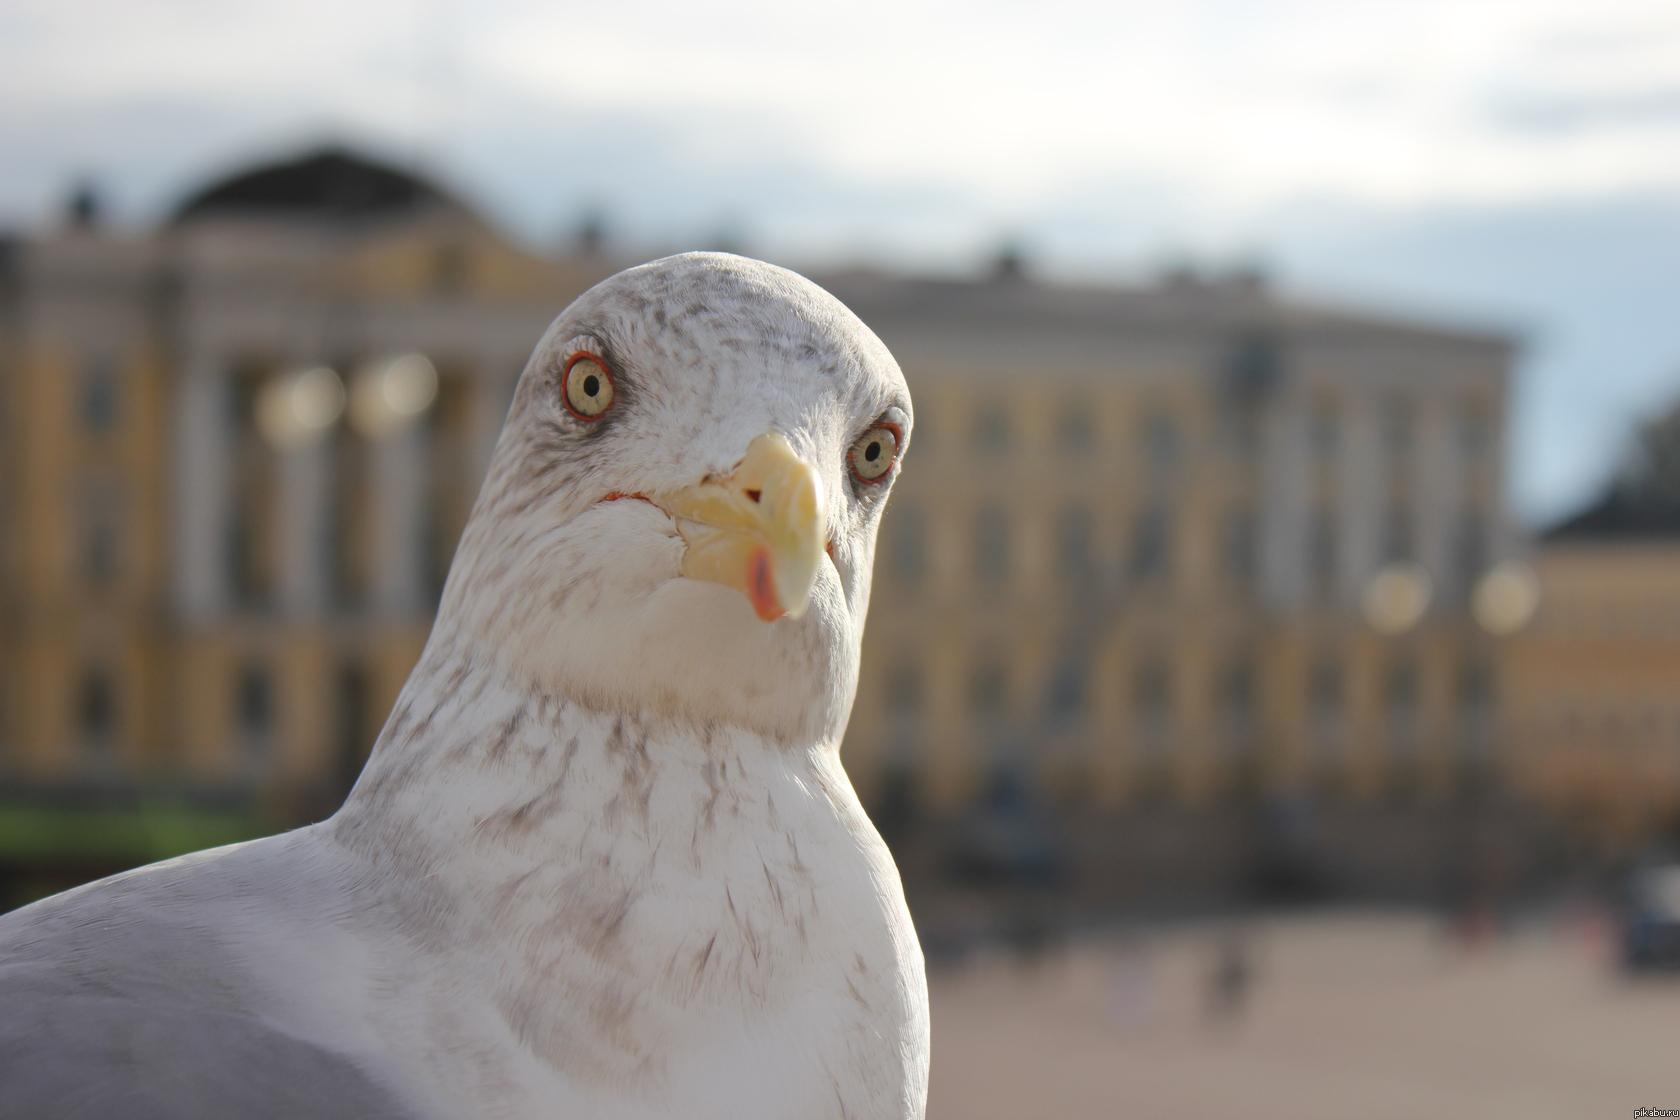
(295, 408)
(390, 393)
(1396, 598)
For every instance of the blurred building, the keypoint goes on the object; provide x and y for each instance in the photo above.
(1594, 712)
(237, 453)
(1180, 541)
(1154, 546)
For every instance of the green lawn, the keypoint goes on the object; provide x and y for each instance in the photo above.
(130, 835)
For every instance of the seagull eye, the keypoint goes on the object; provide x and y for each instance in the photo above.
(874, 453)
(586, 387)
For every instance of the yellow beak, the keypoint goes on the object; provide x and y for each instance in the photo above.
(760, 531)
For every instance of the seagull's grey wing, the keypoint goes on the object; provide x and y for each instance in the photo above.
(72, 1049)
(139, 996)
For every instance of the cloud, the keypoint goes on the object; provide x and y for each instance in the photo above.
(1563, 114)
(1500, 155)
(1245, 104)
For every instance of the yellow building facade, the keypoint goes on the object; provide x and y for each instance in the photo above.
(1594, 715)
(196, 598)
(1131, 558)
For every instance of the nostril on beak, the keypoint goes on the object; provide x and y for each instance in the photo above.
(754, 495)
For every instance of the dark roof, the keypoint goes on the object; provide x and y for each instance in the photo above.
(1241, 305)
(1620, 516)
(333, 184)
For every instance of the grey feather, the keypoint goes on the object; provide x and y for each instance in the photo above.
(125, 999)
(75, 1049)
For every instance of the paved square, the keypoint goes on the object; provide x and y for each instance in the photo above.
(1348, 1018)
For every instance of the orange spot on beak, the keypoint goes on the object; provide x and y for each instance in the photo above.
(761, 587)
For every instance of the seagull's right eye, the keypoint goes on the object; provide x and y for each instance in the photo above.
(873, 454)
(586, 386)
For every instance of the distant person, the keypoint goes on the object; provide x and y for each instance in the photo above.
(1230, 978)
(1030, 932)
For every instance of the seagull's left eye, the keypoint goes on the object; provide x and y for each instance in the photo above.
(586, 387)
(873, 455)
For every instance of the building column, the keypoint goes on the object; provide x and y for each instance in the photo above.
(1363, 498)
(203, 436)
(1438, 481)
(400, 471)
(493, 389)
(305, 476)
(1281, 513)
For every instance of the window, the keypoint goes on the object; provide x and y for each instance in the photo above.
(1322, 560)
(1397, 533)
(1160, 443)
(347, 541)
(986, 691)
(435, 558)
(448, 427)
(99, 552)
(1237, 700)
(1475, 688)
(1251, 375)
(1325, 692)
(1326, 435)
(1398, 423)
(1240, 547)
(1077, 430)
(1066, 699)
(1401, 689)
(451, 414)
(100, 539)
(1475, 432)
(906, 535)
(991, 545)
(99, 394)
(449, 268)
(352, 721)
(244, 388)
(96, 706)
(991, 430)
(1400, 701)
(1256, 364)
(255, 702)
(1472, 552)
(901, 733)
(1150, 544)
(904, 691)
(1239, 425)
(1237, 690)
(1074, 546)
(1152, 691)
(243, 556)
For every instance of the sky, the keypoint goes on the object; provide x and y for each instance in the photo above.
(1509, 164)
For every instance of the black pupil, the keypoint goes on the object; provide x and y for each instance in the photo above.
(873, 451)
(591, 385)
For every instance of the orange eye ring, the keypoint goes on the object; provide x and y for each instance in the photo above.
(897, 434)
(585, 402)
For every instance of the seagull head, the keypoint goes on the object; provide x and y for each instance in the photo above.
(680, 514)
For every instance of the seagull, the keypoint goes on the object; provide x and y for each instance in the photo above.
(603, 861)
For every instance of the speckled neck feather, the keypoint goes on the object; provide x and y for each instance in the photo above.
(652, 875)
